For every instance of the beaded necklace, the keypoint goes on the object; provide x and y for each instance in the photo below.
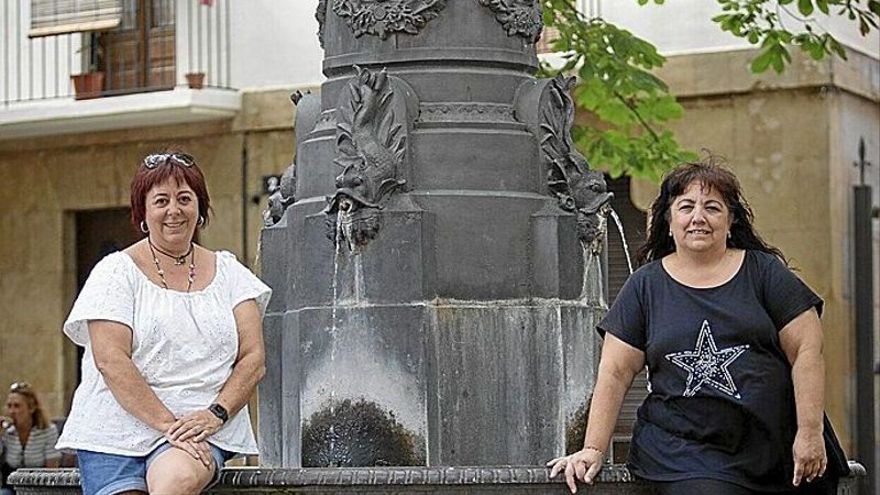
(178, 260)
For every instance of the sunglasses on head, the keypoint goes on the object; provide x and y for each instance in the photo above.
(19, 386)
(159, 159)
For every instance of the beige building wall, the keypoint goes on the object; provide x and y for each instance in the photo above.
(44, 181)
(791, 140)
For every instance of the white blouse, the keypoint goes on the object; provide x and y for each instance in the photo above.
(184, 345)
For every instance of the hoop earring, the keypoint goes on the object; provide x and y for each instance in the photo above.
(144, 228)
(201, 221)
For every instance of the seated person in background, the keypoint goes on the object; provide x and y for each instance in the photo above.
(28, 438)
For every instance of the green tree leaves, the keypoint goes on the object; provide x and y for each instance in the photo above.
(630, 105)
(629, 108)
(771, 25)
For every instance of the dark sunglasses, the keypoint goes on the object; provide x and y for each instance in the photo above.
(159, 159)
(19, 386)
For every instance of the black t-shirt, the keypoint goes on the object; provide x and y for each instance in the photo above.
(721, 402)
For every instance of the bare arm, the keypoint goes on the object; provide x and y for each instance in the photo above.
(619, 365)
(801, 341)
(250, 367)
(248, 370)
(111, 349)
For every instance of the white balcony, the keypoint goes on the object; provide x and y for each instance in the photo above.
(142, 62)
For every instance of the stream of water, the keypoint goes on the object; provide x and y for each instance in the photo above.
(619, 224)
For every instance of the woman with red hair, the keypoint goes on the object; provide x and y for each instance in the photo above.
(173, 347)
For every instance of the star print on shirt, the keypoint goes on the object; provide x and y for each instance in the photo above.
(706, 365)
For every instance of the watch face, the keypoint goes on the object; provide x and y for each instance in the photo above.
(219, 411)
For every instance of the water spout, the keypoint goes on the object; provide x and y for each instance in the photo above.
(358, 278)
(592, 288)
(334, 315)
(619, 224)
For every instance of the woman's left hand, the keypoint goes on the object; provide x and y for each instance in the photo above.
(195, 426)
(810, 460)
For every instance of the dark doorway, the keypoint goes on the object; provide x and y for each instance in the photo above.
(99, 233)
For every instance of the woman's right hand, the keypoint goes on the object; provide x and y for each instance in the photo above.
(200, 451)
(583, 465)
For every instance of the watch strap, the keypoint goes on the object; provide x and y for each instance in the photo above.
(219, 411)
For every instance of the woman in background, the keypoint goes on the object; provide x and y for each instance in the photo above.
(28, 438)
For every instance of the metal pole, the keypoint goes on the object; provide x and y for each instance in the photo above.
(244, 199)
(864, 326)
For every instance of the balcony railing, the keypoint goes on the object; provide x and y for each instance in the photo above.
(155, 47)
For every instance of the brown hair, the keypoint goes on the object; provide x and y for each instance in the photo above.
(38, 417)
(712, 174)
(146, 178)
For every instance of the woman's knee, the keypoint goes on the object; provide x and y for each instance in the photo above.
(176, 472)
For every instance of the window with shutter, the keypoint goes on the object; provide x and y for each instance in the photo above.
(140, 55)
(53, 17)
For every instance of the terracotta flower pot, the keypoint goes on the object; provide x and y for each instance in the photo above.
(88, 85)
(195, 80)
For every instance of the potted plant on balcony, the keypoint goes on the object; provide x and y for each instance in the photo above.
(90, 84)
(195, 80)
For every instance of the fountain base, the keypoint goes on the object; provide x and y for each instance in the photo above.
(532, 480)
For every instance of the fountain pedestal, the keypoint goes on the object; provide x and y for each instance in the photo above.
(432, 305)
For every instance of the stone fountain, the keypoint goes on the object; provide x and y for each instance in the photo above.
(433, 249)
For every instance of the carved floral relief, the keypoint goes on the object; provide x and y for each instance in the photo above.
(381, 17)
(321, 17)
(519, 17)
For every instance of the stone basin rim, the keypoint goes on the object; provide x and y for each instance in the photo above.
(366, 476)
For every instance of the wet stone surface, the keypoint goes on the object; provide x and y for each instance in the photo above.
(358, 433)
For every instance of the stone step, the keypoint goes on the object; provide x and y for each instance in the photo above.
(519, 480)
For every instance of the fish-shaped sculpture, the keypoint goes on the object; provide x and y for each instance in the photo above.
(569, 177)
(370, 145)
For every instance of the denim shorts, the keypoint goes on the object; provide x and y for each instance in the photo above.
(106, 474)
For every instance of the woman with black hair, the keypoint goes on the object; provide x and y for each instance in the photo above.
(733, 346)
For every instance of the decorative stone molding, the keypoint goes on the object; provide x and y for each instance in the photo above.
(321, 17)
(382, 17)
(577, 188)
(353, 476)
(370, 148)
(519, 17)
(466, 112)
(281, 197)
(453, 480)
